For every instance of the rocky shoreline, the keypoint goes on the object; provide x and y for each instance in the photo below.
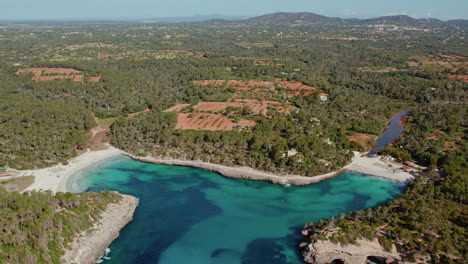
(245, 173)
(361, 164)
(324, 252)
(89, 247)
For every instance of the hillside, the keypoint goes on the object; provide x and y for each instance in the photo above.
(305, 17)
(290, 17)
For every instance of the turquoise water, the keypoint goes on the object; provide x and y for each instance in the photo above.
(189, 215)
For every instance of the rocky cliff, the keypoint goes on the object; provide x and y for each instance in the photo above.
(90, 246)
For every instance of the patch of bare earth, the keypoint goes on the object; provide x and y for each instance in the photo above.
(363, 139)
(297, 88)
(94, 79)
(451, 62)
(459, 77)
(212, 122)
(48, 74)
(267, 63)
(137, 113)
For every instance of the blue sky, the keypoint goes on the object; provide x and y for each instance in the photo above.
(94, 9)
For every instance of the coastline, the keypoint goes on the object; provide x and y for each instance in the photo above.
(59, 177)
(372, 166)
(88, 247)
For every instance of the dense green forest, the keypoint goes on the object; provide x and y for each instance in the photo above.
(36, 227)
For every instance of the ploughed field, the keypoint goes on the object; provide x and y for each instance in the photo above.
(238, 113)
(206, 121)
(220, 115)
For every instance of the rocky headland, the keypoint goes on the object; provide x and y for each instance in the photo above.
(90, 246)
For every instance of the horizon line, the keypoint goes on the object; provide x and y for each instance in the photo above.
(220, 16)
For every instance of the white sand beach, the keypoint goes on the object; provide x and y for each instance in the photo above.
(55, 178)
(375, 166)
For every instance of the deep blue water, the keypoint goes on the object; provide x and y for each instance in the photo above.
(392, 132)
(189, 215)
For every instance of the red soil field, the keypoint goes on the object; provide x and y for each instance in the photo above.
(294, 85)
(212, 122)
(448, 61)
(260, 85)
(459, 77)
(362, 139)
(94, 79)
(48, 74)
(137, 113)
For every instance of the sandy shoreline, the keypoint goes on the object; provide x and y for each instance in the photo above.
(58, 178)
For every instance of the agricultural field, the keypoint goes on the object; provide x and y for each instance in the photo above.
(277, 86)
(211, 122)
(444, 61)
(49, 74)
(226, 116)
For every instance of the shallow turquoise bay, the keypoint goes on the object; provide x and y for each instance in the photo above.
(189, 215)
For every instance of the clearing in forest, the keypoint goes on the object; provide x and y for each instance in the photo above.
(49, 74)
(218, 115)
(238, 106)
(212, 122)
(295, 88)
(268, 63)
(459, 77)
(451, 62)
(365, 140)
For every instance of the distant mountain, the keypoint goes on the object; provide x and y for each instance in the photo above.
(401, 19)
(312, 17)
(458, 22)
(290, 17)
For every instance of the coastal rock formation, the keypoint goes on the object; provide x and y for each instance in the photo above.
(88, 247)
(324, 252)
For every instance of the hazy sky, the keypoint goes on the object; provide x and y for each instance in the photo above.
(87, 9)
